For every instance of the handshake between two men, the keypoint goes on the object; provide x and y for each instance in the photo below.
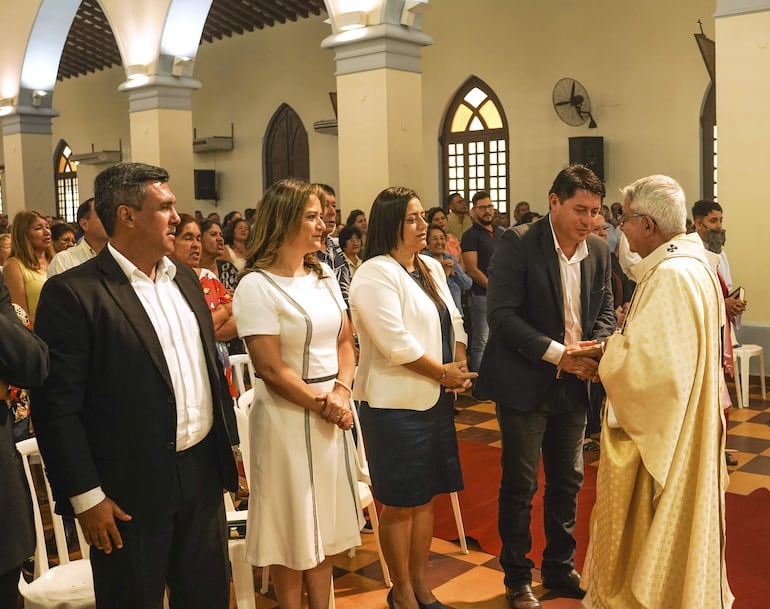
(582, 360)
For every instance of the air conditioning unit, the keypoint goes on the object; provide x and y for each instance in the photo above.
(327, 127)
(213, 143)
(97, 157)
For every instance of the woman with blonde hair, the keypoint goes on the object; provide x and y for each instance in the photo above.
(25, 271)
(289, 310)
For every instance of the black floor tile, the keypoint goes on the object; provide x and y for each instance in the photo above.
(479, 435)
(747, 444)
(473, 417)
(758, 465)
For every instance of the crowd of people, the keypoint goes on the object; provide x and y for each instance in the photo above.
(132, 399)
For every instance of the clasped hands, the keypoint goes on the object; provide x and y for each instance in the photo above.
(335, 409)
(582, 360)
(457, 377)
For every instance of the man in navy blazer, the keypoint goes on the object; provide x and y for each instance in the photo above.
(549, 298)
(133, 419)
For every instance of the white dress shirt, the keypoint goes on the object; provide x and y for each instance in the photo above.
(71, 257)
(569, 269)
(178, 333)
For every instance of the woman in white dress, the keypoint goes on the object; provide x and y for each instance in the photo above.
(304, 505)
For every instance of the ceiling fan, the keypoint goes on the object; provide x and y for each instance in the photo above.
(572, 104)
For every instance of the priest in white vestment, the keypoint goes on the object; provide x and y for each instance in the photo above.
(658, 526)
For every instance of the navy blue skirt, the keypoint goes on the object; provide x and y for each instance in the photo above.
(412, 454)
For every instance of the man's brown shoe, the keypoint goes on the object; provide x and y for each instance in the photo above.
(565, 584)
(522, 597)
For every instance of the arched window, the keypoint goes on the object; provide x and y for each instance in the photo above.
(66, 179)
(708, 142)
(474, 144)
(286, 153)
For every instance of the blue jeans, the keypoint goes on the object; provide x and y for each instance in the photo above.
(477, 306)
(559, 435)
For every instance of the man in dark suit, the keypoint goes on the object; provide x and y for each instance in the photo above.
(549, 303)
(23, 363)
(133, 419)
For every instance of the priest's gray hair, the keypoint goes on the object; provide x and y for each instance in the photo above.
(661, 198)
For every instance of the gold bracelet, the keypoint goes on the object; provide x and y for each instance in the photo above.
(343, 385)
(442, 378)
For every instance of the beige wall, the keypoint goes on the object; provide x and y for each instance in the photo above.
(92, 111)
(641, 67)
(638, 61)
(743, 61)
(245, 79)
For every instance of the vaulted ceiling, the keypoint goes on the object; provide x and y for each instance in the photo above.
(91, 45)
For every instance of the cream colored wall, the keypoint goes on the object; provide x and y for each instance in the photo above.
(92, 111)
(638, 61)
(640, 65)
(743, 60)
(245, 79)
(382, 152)
(17, 23)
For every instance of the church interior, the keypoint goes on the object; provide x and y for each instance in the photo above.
(439, 96)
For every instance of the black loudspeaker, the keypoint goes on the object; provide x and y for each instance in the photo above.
(206, 184)
(588, 151)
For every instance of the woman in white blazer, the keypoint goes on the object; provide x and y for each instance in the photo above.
(412, 359)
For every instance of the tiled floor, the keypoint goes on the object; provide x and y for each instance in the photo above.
(475, 581)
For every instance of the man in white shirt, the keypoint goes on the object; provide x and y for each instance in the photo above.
(94, 239)
(134, 421)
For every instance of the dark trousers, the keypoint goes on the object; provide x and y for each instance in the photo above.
(9, 588)
(184, 546)
(596, 398)
(556, 428)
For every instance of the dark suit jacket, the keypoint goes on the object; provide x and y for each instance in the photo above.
(107, 413)
(23, 363)
(525, 311)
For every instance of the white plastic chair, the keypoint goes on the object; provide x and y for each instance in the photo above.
(742, 355)
(70, 585)
(238, 362)
(243, 572)
(244, 404)
(364, 469)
